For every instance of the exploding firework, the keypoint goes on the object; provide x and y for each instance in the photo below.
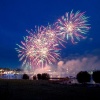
(37, 51)
(73, 26)
(53, 38)
(46, 53)
(40, 48)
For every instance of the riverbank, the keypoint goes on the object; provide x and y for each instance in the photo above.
(45, 90)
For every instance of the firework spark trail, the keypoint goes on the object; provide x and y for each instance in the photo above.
(25, 51)
(73, 26)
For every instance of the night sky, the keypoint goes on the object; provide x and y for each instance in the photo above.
(18, 15)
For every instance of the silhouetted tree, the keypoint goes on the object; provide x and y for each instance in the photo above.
(96, 76)
(45, 76)
(34, 77)
(39, 76)
(83, 77)
(25, 76)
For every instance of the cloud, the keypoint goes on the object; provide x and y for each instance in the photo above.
(86, 62)
(73, 64)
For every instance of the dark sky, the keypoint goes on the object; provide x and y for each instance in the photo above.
(18, 15)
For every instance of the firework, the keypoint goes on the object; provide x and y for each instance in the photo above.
(46, 53)
(73, 26)
(40, 48)
(53, 38)
(37, 50)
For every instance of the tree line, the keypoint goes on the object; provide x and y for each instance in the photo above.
(43, 76)
(82, 76)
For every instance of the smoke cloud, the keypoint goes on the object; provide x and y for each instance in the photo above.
(73, 64)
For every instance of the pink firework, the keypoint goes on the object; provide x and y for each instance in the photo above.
(37, 51)
(73, 26)
(53, 38)
(46, 53)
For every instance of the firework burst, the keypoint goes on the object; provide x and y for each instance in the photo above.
(73, 26)
(46, 53)
(40, 48)
(37, 50)
(53, 38)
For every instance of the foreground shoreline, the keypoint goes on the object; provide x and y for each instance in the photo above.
(46, 90)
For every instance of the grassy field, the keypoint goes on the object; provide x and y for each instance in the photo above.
(45, 90)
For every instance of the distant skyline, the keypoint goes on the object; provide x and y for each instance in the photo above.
(18, 16)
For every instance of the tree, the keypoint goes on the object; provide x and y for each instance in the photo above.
(83, 77)
(34, 77)
(25, 76)
(39, 76)
(96, 76)
(45, 76)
